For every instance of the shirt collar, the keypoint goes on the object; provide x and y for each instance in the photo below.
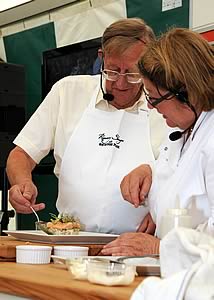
(106, 106)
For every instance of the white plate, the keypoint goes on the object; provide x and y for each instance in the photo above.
(81, 238)
(146, 266)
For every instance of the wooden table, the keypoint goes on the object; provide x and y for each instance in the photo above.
(53, 282)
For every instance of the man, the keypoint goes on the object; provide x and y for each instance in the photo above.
(98, 62)
(100, 129)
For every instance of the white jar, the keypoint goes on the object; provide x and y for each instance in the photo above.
(175, 217)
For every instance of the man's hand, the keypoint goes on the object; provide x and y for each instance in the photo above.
(147, 225)
(132, 244)
(136, 185)
(23, 192)
(22, 196)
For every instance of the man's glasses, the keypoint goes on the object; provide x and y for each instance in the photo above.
(155, 101)
(114, 76)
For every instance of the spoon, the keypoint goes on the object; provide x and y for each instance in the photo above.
(35, 213)
(40, 225)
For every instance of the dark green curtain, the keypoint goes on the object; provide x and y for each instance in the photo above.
(151, 12)
(26, 48)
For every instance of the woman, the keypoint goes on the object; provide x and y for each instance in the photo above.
(178, 81)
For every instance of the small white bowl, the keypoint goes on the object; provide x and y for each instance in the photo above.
(70, 251)
(29, 254)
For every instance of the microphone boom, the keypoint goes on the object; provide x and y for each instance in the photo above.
(106, 96)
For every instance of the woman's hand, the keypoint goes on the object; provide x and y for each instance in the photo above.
(132, 244)
(136, 185)
(147, 225)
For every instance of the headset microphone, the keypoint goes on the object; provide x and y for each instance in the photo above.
(106, 96)
(176, 135)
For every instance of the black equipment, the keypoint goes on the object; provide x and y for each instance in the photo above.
(12, 116)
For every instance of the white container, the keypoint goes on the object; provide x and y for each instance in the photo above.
(175, 217)
(70, 251)
(29, 254)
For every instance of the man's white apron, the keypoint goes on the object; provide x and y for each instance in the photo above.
(104, 147)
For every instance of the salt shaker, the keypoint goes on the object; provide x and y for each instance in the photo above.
(175, 217)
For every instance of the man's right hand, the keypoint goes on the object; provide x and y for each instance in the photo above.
(23, 192)
(22, 196)
(136, 185)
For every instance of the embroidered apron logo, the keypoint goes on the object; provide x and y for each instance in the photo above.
(110, 141)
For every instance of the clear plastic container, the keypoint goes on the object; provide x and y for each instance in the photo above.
(175, 217)
(78, 267)
(110, 273)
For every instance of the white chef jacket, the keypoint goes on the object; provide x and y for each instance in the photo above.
(55, 120)
(185, 178)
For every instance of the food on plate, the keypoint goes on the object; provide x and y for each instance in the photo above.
(62, 224)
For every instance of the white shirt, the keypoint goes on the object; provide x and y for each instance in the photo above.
(52, 124)
(186, 178)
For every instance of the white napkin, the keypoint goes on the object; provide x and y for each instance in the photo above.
(187, 265)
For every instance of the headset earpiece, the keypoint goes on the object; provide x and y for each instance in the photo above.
(182, 96)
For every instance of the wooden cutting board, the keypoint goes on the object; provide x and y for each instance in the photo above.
(8, 247)
(51, 281)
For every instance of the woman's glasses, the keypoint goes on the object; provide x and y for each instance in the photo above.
(155, 101)
(114, 76)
